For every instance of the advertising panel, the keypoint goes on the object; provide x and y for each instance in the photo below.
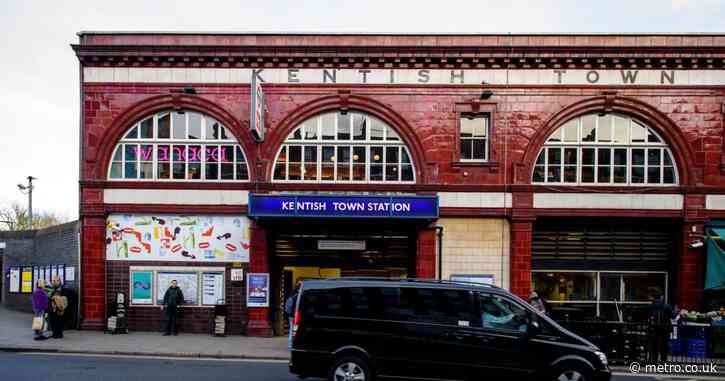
(199, 238)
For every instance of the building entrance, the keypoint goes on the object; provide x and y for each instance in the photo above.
(332, 249)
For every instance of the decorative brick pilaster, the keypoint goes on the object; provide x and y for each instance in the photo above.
(521, 235)
(425, 258)
(690, 267)
(259, 317)
(93, 270)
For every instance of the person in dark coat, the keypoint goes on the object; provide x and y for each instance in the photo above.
(660, 322)
(40, 307)
(57, 313)
(173, 298)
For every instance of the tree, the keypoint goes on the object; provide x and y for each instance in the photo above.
(15, 217)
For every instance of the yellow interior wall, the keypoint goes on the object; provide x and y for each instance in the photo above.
(299, 273)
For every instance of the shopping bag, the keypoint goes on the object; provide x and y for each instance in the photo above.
(37, 323)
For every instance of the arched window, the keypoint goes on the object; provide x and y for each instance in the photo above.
(351, 147)
(609, 149)
(178, 146)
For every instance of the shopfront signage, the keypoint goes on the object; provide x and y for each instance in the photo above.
(362, 76)
(256, 119)
(343, 206)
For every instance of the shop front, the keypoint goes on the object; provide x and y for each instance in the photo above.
(317, 236)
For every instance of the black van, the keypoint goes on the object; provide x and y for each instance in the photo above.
(356, 329)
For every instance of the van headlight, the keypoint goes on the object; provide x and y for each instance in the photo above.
(602, 357)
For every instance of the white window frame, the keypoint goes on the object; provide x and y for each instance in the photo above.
(367, 143)
(155, 270)
(598, 287)
(580, 145)
(487, 138)
(155, 141)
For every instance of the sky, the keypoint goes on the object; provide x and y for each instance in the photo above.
(39, 93)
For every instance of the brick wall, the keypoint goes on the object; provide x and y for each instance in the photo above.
(191, 319)
(52, 246)
(476, 246)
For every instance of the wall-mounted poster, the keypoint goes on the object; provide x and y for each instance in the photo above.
(237, 275)
(46, 274)
(211, 238)
(36, 274)
(212, 291)
(26, 279)
(141, 287)
(70, 274)
(187, 282)
(14, 279)
(258, 290)
(61, 273)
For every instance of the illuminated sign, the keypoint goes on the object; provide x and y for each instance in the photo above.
(343, 206)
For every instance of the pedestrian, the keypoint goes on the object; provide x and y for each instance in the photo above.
(289, 309)
(660, 323)
(173, 298)
(58, 307)
(537, 302)
(40, 307)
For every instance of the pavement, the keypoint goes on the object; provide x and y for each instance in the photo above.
(16, 336)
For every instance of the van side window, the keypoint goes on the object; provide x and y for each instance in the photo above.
(329, 302)
(499, 313)
(444, 306)
(398, 303)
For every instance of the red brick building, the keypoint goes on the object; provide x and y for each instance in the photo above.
(584, 166)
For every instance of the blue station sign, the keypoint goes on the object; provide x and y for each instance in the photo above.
(263, 205)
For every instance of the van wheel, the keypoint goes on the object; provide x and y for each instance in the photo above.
(572, 372)
(350, 368)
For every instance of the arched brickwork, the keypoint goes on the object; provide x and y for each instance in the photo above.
(160, 103)
(350, 102)
(670, 132)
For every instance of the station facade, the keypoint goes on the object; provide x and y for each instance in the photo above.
(586, 167)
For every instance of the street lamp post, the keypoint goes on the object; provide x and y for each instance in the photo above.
(29, 188)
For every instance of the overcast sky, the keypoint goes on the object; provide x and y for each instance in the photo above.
(39, 84)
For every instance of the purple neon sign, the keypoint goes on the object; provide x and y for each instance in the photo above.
(183, 153)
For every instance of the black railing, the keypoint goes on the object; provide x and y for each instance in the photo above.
(625, 342)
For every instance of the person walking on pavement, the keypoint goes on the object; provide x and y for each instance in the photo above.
(660, 322)
(537, 302)
(40, 307)
(58, 306)
(173, 298)
(289, 309)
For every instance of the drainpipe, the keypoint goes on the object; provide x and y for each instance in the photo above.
(439, 232)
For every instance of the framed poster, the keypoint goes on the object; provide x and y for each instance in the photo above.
(212, 291)
(36, 274)
(257, 290)
(26, 280)
(14, 279)
(237, 275)
(141, 287)
(70, 274)
(176, 237)
(188, 282)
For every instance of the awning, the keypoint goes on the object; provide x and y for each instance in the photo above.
(715, 273)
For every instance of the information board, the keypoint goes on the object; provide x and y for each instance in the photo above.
(26, 286)
(14, 279)
(212, 288)
(188, 282)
